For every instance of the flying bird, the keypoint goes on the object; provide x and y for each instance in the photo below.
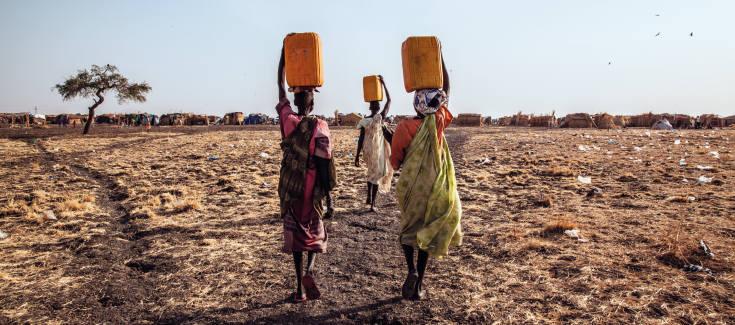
(609, 63)
(691, 34)
(657, 34)
(656, 15)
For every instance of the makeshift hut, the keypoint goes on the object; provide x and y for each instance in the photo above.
(644, 120)
(544, 121)
(713, 119)
(106, 119)
(351, 119)
(520, 120)
(196, 120)
(253, 119)
(234, 118)
(505, 120)
(620, 121)
(606, 122)
(397, 120)
(469, 119)
(682, 121)
(166, 119)
(662, 124)
(730, 120)
(578, 121)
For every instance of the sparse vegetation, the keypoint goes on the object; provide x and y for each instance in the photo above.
(177, 235)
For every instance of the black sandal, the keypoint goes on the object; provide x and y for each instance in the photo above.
(409, 286)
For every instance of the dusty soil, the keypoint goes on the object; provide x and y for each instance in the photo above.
(148, 229)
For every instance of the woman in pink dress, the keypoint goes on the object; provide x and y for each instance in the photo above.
(307, 176)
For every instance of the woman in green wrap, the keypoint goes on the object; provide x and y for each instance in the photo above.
(427, 189)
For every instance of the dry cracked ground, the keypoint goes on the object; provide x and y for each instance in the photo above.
(180, 225)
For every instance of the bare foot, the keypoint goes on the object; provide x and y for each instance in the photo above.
(368, 201)
(372, 209)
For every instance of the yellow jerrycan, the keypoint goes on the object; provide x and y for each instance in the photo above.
(372, 89)
(304, 65)
(422, 63)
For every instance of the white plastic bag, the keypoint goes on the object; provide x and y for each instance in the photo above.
(49, 215)
(586, 180)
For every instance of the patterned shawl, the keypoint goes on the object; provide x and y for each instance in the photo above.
(294, 164)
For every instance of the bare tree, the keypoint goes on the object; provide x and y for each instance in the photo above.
(96, 82)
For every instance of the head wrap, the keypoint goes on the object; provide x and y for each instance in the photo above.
(423, 97)
(297, 90)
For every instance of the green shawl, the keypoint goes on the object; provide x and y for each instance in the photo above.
(427, 194)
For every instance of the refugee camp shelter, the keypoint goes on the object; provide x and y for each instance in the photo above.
(606, 121)
(399, 118)
(468, 119)
(234, 118)
(253, 119)
(351, 119)
(662, 124)
(505, 120)
(577, 121)
(545, 121)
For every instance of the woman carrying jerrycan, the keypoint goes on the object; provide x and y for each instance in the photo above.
(307, 170)
(427, 188)
(377, 147)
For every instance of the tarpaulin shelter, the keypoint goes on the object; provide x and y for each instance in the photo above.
(253, 119)
(662, 124)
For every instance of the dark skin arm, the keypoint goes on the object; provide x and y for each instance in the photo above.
(322, 171)
(445, 76)
(281, 76)
(384, 113)
(359, 147)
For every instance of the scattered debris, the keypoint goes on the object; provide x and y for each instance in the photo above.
(695, 268)
(265, 155)
(705, 249)
(595, 192)
(586, 180)
(49, 215)
(574, 234)
(3, 235)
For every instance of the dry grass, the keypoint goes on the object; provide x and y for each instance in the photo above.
(187, 204)
(556, 170)
(559, 225)
(627, 177)
(545, 202)
(224, 252)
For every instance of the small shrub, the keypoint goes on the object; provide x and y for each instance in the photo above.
(187, 204)
(627, 177)
(559, 225)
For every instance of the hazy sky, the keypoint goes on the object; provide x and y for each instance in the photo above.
(214, 57)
